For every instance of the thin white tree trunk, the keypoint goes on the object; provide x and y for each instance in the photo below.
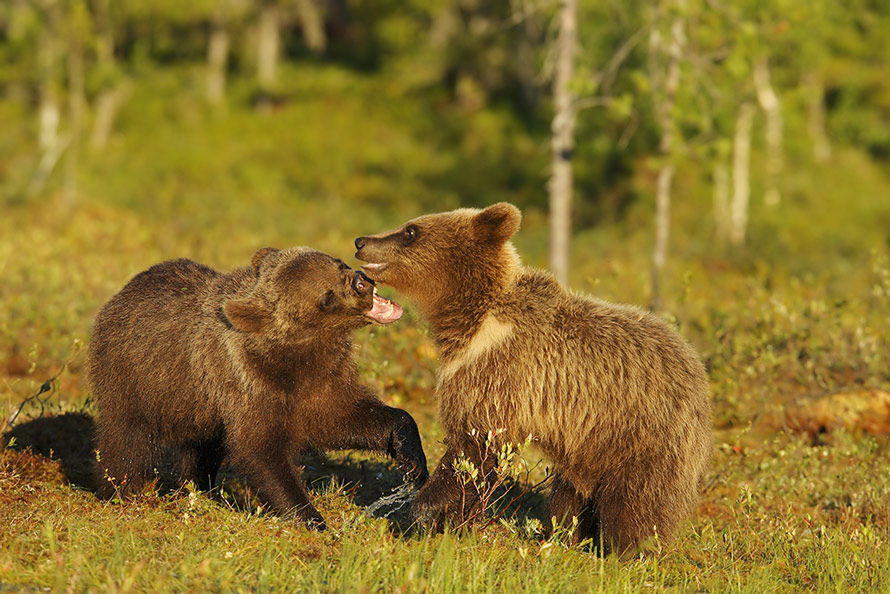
(75, 114)
(217, 61)
(268, 45)
(562, 142)
(110, 97)
(662, 229)
(49, 112)
(46, 165)
(816, 118)
(721, 199)
(49, 117)
(107, 104)
(313, 25)
(741, 161)
(52, 144)
(104, 41)
(665, 98)
(772, 107)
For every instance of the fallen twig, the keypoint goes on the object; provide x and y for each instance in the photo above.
(48, 387)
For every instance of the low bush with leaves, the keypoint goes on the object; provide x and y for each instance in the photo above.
(493, 487)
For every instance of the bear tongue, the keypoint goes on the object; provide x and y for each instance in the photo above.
(384, 311)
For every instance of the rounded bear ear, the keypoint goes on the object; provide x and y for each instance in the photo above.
(498, 223)
(247, 315)
(258, 258)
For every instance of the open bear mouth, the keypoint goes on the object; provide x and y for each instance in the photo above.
(384, 311)
(372, 267)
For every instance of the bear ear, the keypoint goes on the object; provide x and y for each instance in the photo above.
(498, 222)
(258, 258)
(247, 315)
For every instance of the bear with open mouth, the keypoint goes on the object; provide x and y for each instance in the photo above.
(255, 364)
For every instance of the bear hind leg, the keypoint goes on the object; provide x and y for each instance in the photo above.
(126, 463)
(567, 503)
(634, 517)
(210, 458)
(199, 462)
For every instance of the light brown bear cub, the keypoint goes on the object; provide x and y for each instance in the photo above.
(613, 394)
(256, 364)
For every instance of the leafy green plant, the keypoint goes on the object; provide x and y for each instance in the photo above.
(491, 487)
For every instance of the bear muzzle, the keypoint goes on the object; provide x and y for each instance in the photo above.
(367, 250)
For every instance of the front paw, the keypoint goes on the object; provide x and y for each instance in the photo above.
(414, 469)
(407, 451)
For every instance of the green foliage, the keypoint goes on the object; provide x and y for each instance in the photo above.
(490, 489)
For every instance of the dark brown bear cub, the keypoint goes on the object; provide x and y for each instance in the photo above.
(255, 364)
(612, 393)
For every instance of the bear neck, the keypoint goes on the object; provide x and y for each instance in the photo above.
(482, 287)
(286, 366)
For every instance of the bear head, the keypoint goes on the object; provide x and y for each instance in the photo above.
(300, 292)
(462, 254)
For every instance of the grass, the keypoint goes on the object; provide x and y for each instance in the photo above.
(784, 516)
(800, 314)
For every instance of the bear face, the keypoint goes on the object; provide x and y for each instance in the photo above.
(300, 289)
(189, 365)
(422, 257)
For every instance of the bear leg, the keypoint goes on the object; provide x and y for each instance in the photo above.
(634, 514)
(199, 462)
(210, 458)
(445, 495)
(567, 503)
(271, 474)
(368, 424)
(127, 461)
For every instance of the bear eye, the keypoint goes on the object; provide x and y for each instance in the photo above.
(410, 234)
(327, 301)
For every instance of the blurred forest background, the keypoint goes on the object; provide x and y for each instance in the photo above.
(727, 161)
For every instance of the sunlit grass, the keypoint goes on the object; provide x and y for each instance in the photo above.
(781, 517)
(778, 514)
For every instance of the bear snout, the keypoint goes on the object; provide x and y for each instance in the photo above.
(360, 242)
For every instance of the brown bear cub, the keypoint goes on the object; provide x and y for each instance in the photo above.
(610, 392)
(255, 364)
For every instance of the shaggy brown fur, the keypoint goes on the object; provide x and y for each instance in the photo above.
(612, 393)
(256, 364)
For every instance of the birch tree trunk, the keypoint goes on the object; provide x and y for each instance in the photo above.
(268, 45)
(313, 25)
(107, 104)
(109, 98)
(665, 97)
(217, 60)
(771, 106)
(49, 112)
(721, 199)
(562, 142)
(816, 117)
(75, 114)
(741, 175)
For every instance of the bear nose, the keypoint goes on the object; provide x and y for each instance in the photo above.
(360, 242)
